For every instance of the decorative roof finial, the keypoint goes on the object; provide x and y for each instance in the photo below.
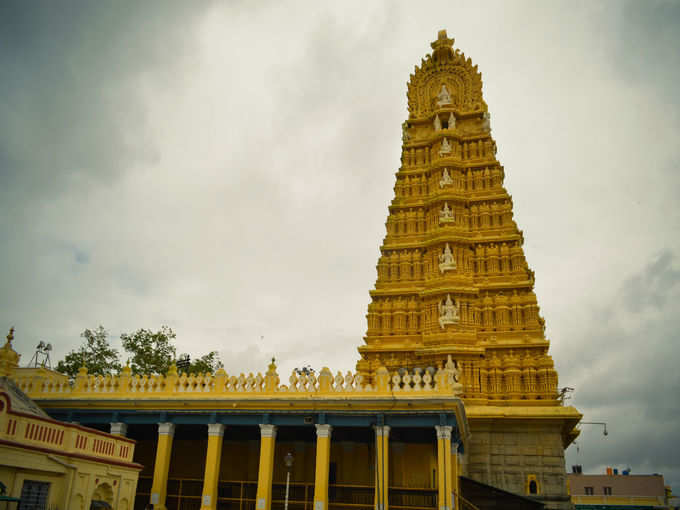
(442, 41)
(9, 359)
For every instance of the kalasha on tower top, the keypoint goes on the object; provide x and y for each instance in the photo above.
(452, 277)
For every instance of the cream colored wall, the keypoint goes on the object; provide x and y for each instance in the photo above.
(20, 465)
(70, 489)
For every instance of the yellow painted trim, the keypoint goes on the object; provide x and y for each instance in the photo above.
(532, 478)
(492, 411)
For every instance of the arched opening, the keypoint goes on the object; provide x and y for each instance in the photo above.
(102, 497)
(532, 486)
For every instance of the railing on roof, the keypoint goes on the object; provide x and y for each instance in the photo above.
(39, 432)
(443, 381)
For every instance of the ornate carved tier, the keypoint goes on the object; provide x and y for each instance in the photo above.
(452, 277)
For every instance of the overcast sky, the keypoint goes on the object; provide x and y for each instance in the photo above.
(225, 169)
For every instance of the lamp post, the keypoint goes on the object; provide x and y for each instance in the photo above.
(288, 460)
(604, 432)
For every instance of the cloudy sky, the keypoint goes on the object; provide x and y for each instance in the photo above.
(225, 169)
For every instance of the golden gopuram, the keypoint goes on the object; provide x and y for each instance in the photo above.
(454, 403)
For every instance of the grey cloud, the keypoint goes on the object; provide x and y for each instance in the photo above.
(626, 374)
(226, 168)
(646, 47)
(653, 287)
(68, 88)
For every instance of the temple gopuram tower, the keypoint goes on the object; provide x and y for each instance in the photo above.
(453, 281)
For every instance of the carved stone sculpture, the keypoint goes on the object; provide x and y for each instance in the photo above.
(452, 121)
(446, 179)
(443, 98)
(404, 132)
(448, 312)
(446, 260)
(452, 367)
(446, 214)
(445, 147)
(437, 123)
(486, 121)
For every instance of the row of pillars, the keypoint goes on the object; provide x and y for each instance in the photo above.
(447, 466)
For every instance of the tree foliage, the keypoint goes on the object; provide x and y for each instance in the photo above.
(208, 363)
(149, 353)
(95, 354)
(152, 352)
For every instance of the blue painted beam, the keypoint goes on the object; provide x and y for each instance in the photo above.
(254, 418)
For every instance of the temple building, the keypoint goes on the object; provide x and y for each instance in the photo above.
(45, 463)
(454, 401)
(453, 282)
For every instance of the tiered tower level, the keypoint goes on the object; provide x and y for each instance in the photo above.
(452, 276)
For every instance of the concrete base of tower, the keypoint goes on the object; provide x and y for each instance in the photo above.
(525, 457)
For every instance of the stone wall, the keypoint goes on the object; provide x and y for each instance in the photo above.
(506, 455)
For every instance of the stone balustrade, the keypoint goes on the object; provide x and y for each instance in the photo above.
(443, 381)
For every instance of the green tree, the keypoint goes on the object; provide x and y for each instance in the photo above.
(152, 353)
(95, 354)
(209, 363)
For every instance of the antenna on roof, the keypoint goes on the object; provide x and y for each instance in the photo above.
(41, 358)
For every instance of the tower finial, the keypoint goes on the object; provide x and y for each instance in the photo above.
(442, 41)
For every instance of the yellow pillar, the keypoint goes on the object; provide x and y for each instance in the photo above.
(212, 466)
(382, 437)
(444, 468)
(323, 461)
(264, 478)
(159, 488)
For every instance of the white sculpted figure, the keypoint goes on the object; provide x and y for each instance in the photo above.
(452, 367)
(486, 121)
(404, 132)
(437, 123)
(446, 214)
(443, 98)
(446, 179)
(446, 260)
(445, 148)
(448, 312)
(452, 121)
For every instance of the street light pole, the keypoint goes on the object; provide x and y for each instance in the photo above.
(288, 460)
(596, 423)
